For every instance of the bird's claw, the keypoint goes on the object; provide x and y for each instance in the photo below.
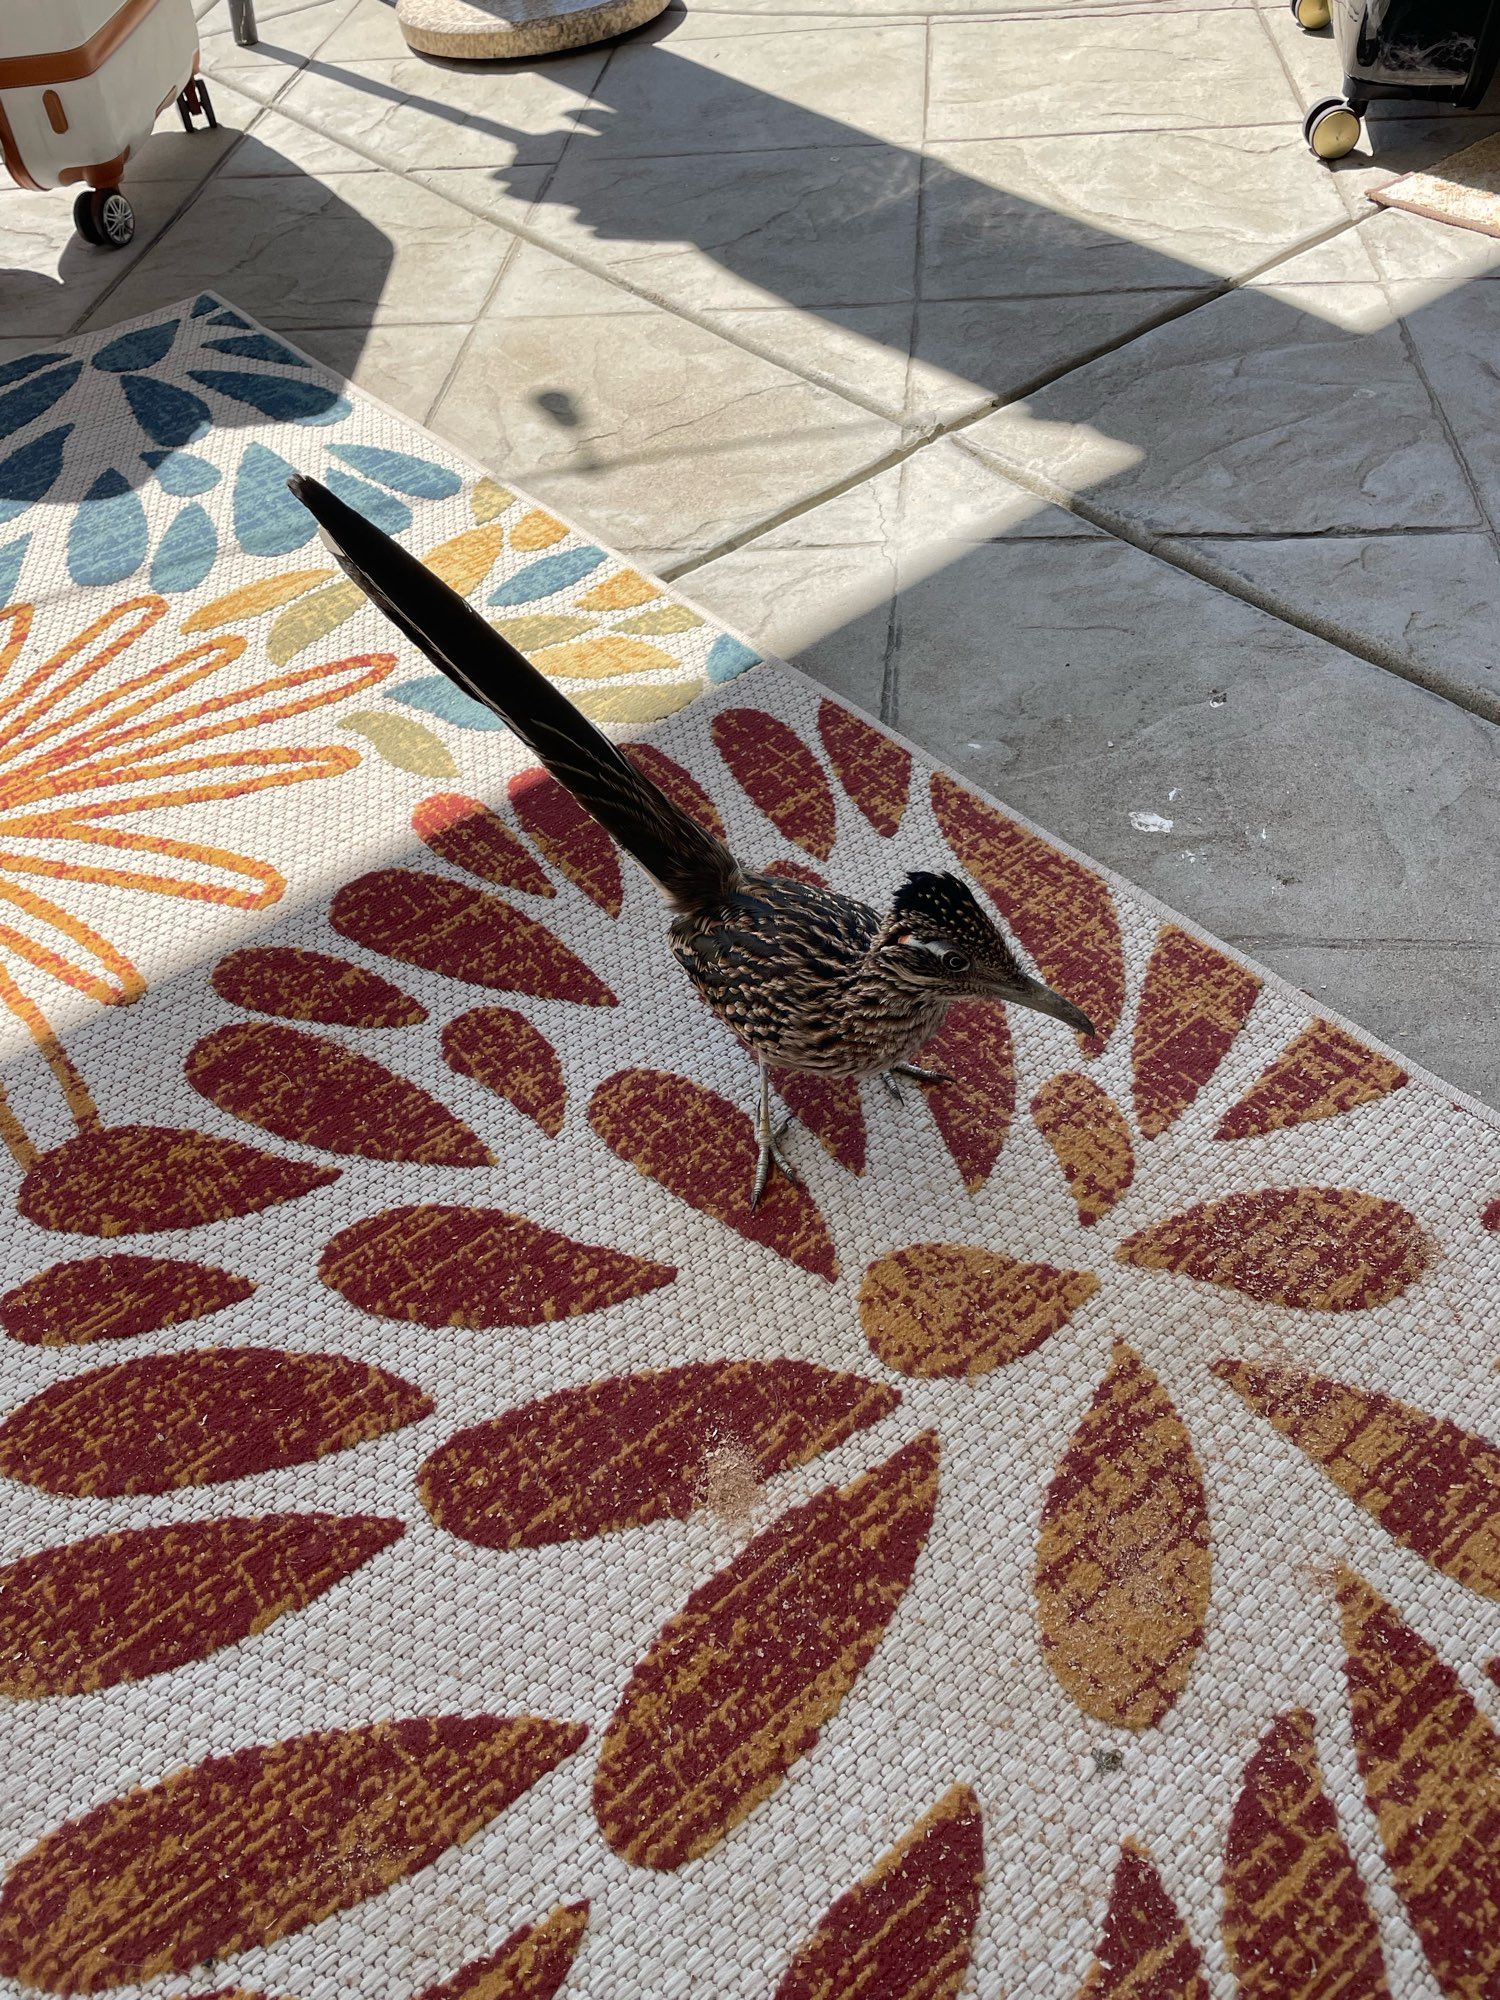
(888, 1078)
(771, 1155)
(923, 1076)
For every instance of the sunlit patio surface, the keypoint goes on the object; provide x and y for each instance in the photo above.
(1014, 370)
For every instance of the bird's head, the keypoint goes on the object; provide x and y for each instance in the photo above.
(939, 939)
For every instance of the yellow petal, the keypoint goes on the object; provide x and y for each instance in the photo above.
(486, 500)
(253, 598)
(313, 618)
(665, 618)
(542, 628)
(536, 530)
(620, 592)
(407, 745)
(464, 562)
(638, 701)
(604, 655)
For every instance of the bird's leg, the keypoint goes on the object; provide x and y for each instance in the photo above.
(916, 1075)
(768, 1135)
(888, 1078)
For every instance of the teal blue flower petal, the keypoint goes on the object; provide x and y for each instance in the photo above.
(167, 414)
(541, 578)
(728, 657)
(438, 696)
(255, 347)
(205, 303)
(25, 404)
(11, 558)
(182, 473)
(284, 397)
(267, 519)
(108, 537)
(228, 319)
(26, 364)
(417, 476)
(187, 550)
(141, 349)
(384, 509)
(29, 473)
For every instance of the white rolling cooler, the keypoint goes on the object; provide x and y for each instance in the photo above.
(81, 85)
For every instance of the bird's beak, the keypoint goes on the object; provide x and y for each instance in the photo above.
(1027, 992)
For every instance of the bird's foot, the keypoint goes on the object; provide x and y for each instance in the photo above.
(921, 1075)
(771, 1155)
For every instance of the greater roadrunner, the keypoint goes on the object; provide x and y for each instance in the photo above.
(808, 979)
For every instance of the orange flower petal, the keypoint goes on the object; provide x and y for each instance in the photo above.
(974, 1111)
(699, 1147)
(478, 1267)
(873, 768)
(1194, 1001)
(572, 839)
(1326, 1249)
(1432, 1486)
(536, 530)
(1297, 1923)
(144, 1600)
(1323, 1073)
(500, 1049)
(1145, 1952)
(199, 1418)
(299, 985)
(464, 561)
(905, 1930)
(138, 1886)
(126, 1180)
(1087, 1131)
(313, 1090)
(467, 835)
(532, 1963)
(254, 598)
(1122, 1570)
(1061, 911)
(465, 933)
(115, 1298)
(634, 1449)
(951, 1309)
(736, 1687)
(1431, 1769)
(775, 768)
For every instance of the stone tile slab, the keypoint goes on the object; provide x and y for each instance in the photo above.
(290, 31)
(51, 277)
(406, 367)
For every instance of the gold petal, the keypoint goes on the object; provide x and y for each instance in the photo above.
(312, 618)
(407, 745)
(253, 598)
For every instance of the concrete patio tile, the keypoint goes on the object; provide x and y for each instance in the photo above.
(51, 276)
(348, 249)
(418, 113)
(659, 433)
(1109, 72)
(1455, 334)
(862, 351)
(1403, 246)
(171, 154)
(1315, 418)
(1120, 212)
(369, 32)
(837, 84)
(1435, 598)
(1327, 816)
(405, 366)
(280, 145)
(1401, 146)
(290, 31)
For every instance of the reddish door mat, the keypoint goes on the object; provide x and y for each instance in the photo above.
(452, 1545)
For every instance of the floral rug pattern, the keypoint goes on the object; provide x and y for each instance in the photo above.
(453, 1544)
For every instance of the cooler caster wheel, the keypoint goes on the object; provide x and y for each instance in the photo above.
(1310, 15)
(1331, 128)
(195, 99)
(104, 217)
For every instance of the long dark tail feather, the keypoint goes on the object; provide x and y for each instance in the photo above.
(688, 864)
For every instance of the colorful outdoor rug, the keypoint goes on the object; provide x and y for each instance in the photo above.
(452, 1545)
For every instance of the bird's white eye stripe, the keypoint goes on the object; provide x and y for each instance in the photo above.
(928, 945)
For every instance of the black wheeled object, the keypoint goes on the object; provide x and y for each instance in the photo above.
(1434, 51)
(103, 217)
(195, 102)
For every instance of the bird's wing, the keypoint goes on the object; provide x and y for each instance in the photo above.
(688, 864)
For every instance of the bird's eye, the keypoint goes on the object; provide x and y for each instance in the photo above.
(954, 961)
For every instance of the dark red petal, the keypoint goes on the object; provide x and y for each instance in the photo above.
(128, 1180)
(873, 768)
(467, 834)
(680, 786)
(572, 839)
(780, 774)
(1145, 1952)
(830, 1108)
(1194, 1001)
(638, 1448)
(1323, 1073)
(532, 1963)
(974, 1111)
(465, 933)
(114, 1298)
(302, 985)
(501, 1050)
(313, 1090)
(198, 1418)
(478, 1267)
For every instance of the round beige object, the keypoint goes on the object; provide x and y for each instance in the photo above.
(482, 30)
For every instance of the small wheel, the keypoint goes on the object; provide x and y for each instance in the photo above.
(1310, 15)
(192, 99)
(83, 216)
(1331, 128)
(113, 218)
